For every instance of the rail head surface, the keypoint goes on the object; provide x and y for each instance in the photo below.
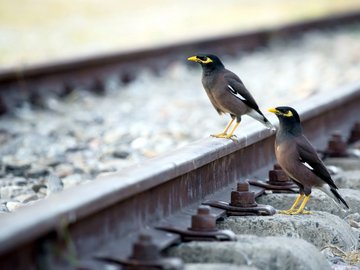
(74, 204)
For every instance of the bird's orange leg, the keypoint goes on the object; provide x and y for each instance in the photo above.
(230, 135)
(302, 206)
(224, 133)
(293, 207)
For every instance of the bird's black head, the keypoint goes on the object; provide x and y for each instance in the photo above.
(289, 119)
(207, 61)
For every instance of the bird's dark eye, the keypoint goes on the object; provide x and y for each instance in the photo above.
(202, 58)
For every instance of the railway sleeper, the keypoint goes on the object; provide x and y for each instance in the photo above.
(253, 251)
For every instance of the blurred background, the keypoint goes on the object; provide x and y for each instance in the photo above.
(44, 30)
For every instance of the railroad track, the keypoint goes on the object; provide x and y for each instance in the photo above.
(102, 219)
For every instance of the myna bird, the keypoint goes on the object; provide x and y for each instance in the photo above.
(298, 158)
(227, 93)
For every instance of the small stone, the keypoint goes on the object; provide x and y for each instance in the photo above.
(2, 170)
(353, 220)
(17, 168)
(98, 120)
(354, 224)
(150, 153)
(25, 198)
(12, 206)
(112, 165)
(113, 136)
(64, 170)
(36, 187)
(19, 181)
(37, 171)
(338, 261)
(120, 154)
(43, 191)
(4, 136)
(79, 170)
(3, 208)
(76, 148)
(54, 161)
(71, 180)
(54, 185)
(139, 143)
(9, 192)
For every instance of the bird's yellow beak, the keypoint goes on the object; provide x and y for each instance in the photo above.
(193, 58)
(277, 112)
(273, 110)
(198, 60)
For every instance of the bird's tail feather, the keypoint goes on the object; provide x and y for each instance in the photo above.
(261, 118)
(339, 198)
(268, 124)
(334, 194)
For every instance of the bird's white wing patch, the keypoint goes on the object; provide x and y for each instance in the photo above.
(307, 165)
(235, 93)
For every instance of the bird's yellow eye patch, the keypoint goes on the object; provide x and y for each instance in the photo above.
(205, 60)
(288, 114)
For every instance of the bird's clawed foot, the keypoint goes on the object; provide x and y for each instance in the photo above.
(219, 135)
(297, 211)
(293, 212)
(224, 135)
(301, 212)
(287, 212)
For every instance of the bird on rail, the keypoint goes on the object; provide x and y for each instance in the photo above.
(227, 93)
(298, 158)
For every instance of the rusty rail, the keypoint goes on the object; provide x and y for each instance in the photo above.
(103, 218)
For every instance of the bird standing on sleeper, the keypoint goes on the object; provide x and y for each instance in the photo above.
(227, 93)
(298, 158)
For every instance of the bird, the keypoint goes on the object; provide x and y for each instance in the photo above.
(227, 93)
(298, 158)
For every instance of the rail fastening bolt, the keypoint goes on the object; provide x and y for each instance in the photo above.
(203, 220)
(355, 133)
(278, 175)
(144, 249)
(336, 146)
(243, 197)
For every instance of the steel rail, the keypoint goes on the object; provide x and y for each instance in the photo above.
(101, 216)
(19, 84)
